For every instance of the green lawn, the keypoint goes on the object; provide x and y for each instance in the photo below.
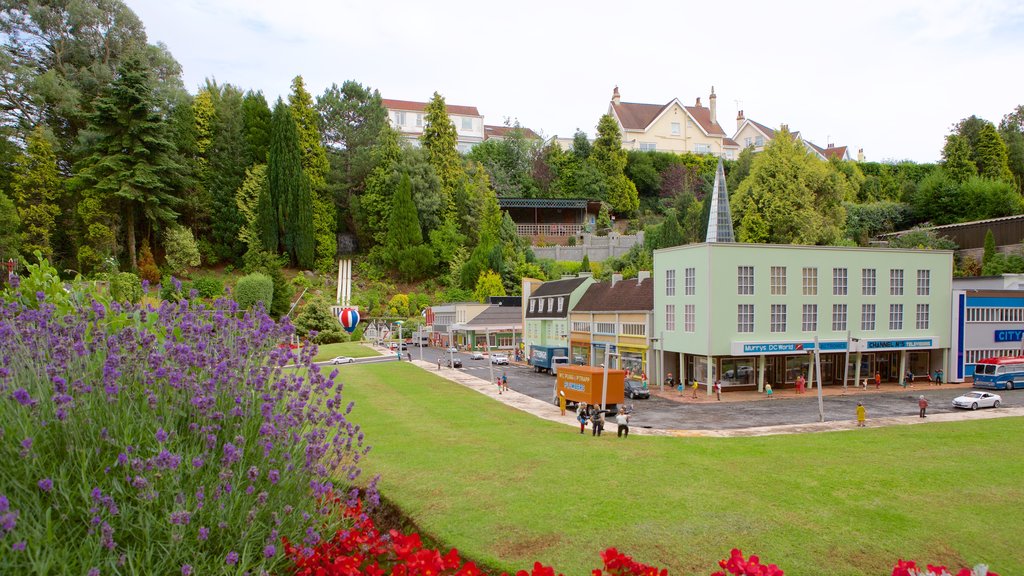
(507, 489)
(353, 349)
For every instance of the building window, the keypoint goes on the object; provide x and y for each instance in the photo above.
(895, 282)
(560, 302)
(922, 317)
(778, 318)
(670, 282)
(839, 281)
(745, 318)
(745, 279)
(702, 148)
(648, 147)
(400, 118)
(895, 316)
(1015, 315)
(690, 280)
(675, 129)
(810, 323)
(867, 282)
(778, 280)
(690, 318)
(839, 317)
(634, 329)
(551, 304)
(670, 317)
(924, 282)
(867, 317)
(810, 281)
(467, 123)
(607, 328)
(748, 142)
(532, 303)
(580, 326)
(759, 141)
(419, 120)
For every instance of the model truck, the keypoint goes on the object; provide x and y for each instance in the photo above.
(584, 384)
(548, 358)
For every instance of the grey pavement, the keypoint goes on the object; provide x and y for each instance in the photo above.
(744, 414)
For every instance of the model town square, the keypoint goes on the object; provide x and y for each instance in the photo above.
(337, 289)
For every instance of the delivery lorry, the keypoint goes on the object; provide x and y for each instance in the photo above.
(548, 358)
(584, 384)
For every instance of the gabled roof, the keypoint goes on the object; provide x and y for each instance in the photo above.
(730, 142)
(634, 116)
(498, 315)
(836, 152)
(625, 295)
(410, 106)
(504, 131)
(558, 287)
(702, 116)
(770, 133)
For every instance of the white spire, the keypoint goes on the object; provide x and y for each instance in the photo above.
(720, 218)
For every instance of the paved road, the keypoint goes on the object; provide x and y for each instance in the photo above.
(708, 414)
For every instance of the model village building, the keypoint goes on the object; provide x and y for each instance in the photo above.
(612, 323)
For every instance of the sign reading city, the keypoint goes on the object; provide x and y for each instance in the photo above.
(1009, 335)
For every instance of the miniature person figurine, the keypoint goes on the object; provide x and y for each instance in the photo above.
(861, 415)
(922, 404)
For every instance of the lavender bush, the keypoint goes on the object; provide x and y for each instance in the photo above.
(160, 441)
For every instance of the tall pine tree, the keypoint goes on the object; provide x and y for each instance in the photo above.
(315, 166)
(131, 163)
(440, 140)
(256, 117)
(289, 191)
(226, 170)
(609, 157)
(37, 190)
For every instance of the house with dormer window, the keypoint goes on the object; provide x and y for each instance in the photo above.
(672, 127)
(546, 310)
(752, 134)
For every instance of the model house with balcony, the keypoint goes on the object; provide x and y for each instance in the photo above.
(672, 127)
(409, 118)
(498, 328)
(546, 310)
(748, 314)
(752, 134)
(988, 321)
(614, 317)
(444, 318)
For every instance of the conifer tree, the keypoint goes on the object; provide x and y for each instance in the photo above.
(990, 155)
(956, 155)
(403, 224)
(131, 164)
(440, 140)
(315, 166)
(37, 188)
(289, 190)
(609, 157)
(227, 168)
(373, 208)
(256, 118)
(990, 248)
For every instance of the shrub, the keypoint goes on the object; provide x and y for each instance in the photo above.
(126, 287)
(330, 337)
(208, 288)
(254, 288)
(416, 262)
(315, 316)
(180, 249)
(148, 270)
(172, 289)
(165, 441)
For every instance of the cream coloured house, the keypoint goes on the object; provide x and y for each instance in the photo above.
(751, 134)
(672, 127)
(409, 118)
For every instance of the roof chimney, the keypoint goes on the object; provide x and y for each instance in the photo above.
(615, 96)
(739, 120)
(860, 155)
(616, 278)
(641, 276)
(714, 106)
(784, 127)
(698, 102)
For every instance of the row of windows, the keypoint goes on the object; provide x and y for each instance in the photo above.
(809, 317)
(809, 277)
(401, 117)
(697, 148)
(972, 356)
(628, 328)
(537, 304)
(995, 315)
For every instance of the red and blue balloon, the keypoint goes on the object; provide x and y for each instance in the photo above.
(349, 318)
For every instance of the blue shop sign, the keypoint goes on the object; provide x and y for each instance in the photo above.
(795, 347)
(898, 344)
(1009, 335)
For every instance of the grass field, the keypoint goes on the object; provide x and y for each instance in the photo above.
(353, 349)
(509, 489)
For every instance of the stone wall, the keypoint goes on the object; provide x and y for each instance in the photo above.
(596, 248)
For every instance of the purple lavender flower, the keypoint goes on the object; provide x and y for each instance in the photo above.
(232, 558)
(269, 551)
(197, 462)
(273, 476)
(161, 436)
(231, 454)
(22, 396)
(45, 484)
(167, 460)
(253, 473)
(5, 505)
(180, 518)
(186, 570)
(204, 533)
(93, 571)
(19, 546)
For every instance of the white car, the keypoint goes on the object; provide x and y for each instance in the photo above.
(976, 399)
(476, 355)
(451, 349)
(343, 360)
(499, 359)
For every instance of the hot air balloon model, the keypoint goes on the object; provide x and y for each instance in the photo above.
(349, 319)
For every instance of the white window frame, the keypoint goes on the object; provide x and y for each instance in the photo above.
(419, 120)
(923, 317)
(670, 317)
(399, 118)
(467, 124)
(810, 281)
(778, 280)
(895, 316)
(778, 319)
(868, 282)
(676, 128)
(690, 318)
(670, 282)
(810, 318)
(690, 281)
(867, 317)
(744, 280)
(924, 282)
(839, 317)
(702, 148)
(533, 301)
(840, 283)
(648, 147)
(745, 318)
(561, 302)
(551, 304)
(895, 282)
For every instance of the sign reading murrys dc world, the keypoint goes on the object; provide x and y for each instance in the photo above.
(829, 346)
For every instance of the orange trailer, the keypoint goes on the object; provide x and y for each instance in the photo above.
(584, 383)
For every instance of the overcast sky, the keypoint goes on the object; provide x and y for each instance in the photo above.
(888, 76)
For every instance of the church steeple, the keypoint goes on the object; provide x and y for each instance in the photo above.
(720, 218)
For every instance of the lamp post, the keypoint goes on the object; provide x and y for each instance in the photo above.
(817, 369)
(490, 360)
(846, 362)
(401, 340)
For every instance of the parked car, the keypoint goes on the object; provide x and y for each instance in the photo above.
(975, 399)
(476, 355)
(636, 389)
(451, 349)
(501, 359)
(343, 360)
(455, 362)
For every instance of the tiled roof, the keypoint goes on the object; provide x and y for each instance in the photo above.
(422, 106)
(625, 295)
(835, 152)
(558, 287)
(503, 131)
(767, 131)
(702, 115)
(498, 315)
(635, 116)
(730, 142)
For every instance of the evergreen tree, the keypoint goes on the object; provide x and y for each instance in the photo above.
(10, 239)
(37, 188)
(956, 156)
(487, 285)
(256, 119)
(440, 140)
(990, 248)
(990, 155)
(609, 157)
(250, 194)
(289, 189)
(581, 145)
(1011, 128)
(373, 208)
(226, 172)
(315, 166)
(131, 162)
(404, 225)
(670, 234)
(585, 264)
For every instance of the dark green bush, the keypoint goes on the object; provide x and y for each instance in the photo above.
(126, 287)
(253, 288)
(210, 288)
(330, 337)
